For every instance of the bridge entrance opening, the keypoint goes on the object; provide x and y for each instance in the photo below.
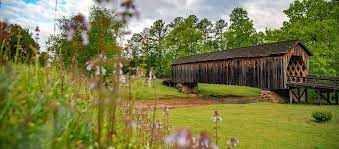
(297, 67)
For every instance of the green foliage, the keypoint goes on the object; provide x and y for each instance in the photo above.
(34, 114)
(322, 116)
(17, 43)
(45, 107)
(103, 34)
(241, 32)
(219, 43)
(184, 38)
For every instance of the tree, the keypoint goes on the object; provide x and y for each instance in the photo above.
(10, 40)
(315, 23)
(241, 31)
(101, 37)
(218, 30)
(185, 38)
(157, 33)
(205, 26)
(135, 46)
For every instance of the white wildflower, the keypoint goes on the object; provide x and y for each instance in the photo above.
(97, 70)
(233, 142)
(216, 117)
(171, 138)
(89, 66)
(84, 37)
(70, 34)
(103, 71)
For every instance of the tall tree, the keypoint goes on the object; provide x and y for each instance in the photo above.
(206, 27)
(241, 31)
(157, 33)
(218, 30)
(185, 38)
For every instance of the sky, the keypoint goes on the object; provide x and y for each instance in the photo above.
(32, 13)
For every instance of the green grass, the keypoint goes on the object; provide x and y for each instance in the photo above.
(264, 125)
(227, 90)
(142, 91)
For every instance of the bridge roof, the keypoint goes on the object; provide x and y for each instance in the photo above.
(264, 50)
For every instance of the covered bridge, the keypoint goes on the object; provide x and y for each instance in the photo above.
(265, 66)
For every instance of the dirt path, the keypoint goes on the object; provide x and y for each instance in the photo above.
(195, 101)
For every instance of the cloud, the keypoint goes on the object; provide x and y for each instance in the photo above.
(32, 13)
(266, 13)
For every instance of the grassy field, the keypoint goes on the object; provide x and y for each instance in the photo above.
(227, 90)
(144, 92)
(264, 125)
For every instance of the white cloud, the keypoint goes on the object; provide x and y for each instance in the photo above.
(266, 13)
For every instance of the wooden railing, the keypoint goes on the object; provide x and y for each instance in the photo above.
(314, 81)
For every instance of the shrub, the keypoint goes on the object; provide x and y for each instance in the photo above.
(322, 116)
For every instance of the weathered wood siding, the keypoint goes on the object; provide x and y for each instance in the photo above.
(266, 72)
(261, 72)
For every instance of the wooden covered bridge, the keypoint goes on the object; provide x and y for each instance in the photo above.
(266, 66)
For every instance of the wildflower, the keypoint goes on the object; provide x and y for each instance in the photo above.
(84, 37)
(165, 111)
(204, 140)
(184, 139)
(214, 146)
(89, 66)
(181, 139)
(216, 117)
(81, 24)
(232, 142)
(100, 70)
(157, 124)
(138, 112)
(195, 139)
(151, 76)
(171, 138)
(131, 123)
(70, 34)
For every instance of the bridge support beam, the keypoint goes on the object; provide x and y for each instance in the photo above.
(299, 95)
(322, 96)
(306, 95)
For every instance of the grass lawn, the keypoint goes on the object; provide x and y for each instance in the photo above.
(263, 125)
(144, 92)
(227, 90)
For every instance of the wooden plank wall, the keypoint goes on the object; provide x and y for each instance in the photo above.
(265, 72)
